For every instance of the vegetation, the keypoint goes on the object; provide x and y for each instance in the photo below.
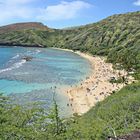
(18, 122)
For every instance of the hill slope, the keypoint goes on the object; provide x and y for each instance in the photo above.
(118, 30)
(24, 34)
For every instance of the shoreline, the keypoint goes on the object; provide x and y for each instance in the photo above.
(96, 87)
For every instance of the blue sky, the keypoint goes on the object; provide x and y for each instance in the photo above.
(63, 13)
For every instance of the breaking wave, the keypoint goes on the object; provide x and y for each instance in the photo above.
(14, 66)
(16, 56)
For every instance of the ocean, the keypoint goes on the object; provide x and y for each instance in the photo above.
(39, 80)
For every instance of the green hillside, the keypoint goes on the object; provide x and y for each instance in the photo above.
(25, 34)
(27, 37)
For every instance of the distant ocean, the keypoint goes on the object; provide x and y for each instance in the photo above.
(37, 80)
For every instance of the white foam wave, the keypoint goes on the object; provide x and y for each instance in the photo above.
(14, 66)
(15, 56)
(38, 51)
(33, 52)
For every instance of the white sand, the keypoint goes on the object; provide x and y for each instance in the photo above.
(96, 87)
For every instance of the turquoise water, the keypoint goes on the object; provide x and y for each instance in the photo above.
(38, 79)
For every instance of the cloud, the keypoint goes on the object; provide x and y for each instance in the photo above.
(62, 11)
(27, 10)
(12, 9)
(137, 3)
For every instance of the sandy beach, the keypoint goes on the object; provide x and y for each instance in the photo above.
(96, 87)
